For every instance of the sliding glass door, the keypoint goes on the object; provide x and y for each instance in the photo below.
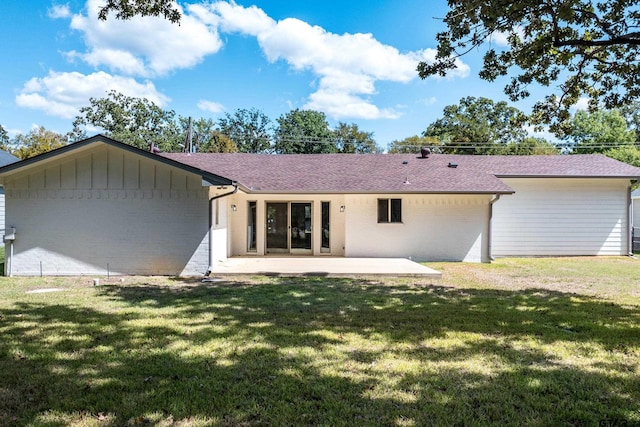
(289, 228)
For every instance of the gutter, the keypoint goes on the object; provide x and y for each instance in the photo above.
(211, 200)
(495, 199)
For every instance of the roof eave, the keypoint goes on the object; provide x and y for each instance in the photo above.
(568, 176)
(442, 192)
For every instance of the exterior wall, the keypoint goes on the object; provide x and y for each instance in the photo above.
(2, 208)
(636, 212)
(105, 209)
(238, 221)
(561, 216)
(433, 228)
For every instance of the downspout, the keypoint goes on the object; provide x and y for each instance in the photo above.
(211, 200)
(629, 221)
(489, 232)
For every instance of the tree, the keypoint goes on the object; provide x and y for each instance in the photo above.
(127, 9)
(304, 132)
(350, 139)
(37, 141)
(135, 121)
(591, 47)
(627, 154)
(4, 138)
(529, 146)
(598, 131)
(413, 144)
(248, 129)
(478, 126)
(206, 138)
(219, 143)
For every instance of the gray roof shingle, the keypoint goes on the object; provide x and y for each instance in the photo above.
(395, 173)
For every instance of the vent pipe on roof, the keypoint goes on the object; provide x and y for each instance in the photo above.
(424, 152)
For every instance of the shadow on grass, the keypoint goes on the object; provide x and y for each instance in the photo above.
(320, 352)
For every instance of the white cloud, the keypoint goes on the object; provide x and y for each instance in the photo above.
(63, 94)
(582, 104)
(210, 106)
(501, 38)
(430, 101)
(59, 11)
(144, 46)
(347, 65)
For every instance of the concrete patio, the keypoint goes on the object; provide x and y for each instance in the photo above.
(324, 267)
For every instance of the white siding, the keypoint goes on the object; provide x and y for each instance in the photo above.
(2, 222)
(108, 209)
(548, 217)
(433, 228)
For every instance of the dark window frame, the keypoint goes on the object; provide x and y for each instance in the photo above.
(389, 211)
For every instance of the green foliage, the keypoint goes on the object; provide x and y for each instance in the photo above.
(596, 132)
(304, 132)
(219, 143)
(627, 154)
(478, 126)
(37, 141)
(349, 139)
(248, 129)
(585, 48)
(127, 9)
(4, 138)
(412, 144)
(205, 136)
(135, 121)
(529, 146)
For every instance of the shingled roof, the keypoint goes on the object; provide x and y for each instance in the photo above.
(395, 173)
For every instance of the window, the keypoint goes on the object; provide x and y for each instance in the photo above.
(389, 210)
(251, 227)
(325, 246)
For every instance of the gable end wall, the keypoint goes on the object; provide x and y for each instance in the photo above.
(107, 210)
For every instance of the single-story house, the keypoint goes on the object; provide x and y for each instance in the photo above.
(99, 206)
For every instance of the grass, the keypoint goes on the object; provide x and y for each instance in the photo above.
(533, 342)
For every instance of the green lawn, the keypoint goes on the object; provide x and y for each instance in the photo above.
(536, 342)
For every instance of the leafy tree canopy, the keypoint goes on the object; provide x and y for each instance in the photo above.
(598, 131)
(4, 138)
(127, 9)
(478, 126)
(303, 132)
(413, 144)
(205, 136)
(136, 121)
(529, 146)
(590, 48)
(37, 141)
(248, 129)
(627, 154)
(350, 139)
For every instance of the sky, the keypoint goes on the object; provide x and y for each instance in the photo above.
(354, 61)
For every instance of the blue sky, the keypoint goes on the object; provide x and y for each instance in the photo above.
(355, 61)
